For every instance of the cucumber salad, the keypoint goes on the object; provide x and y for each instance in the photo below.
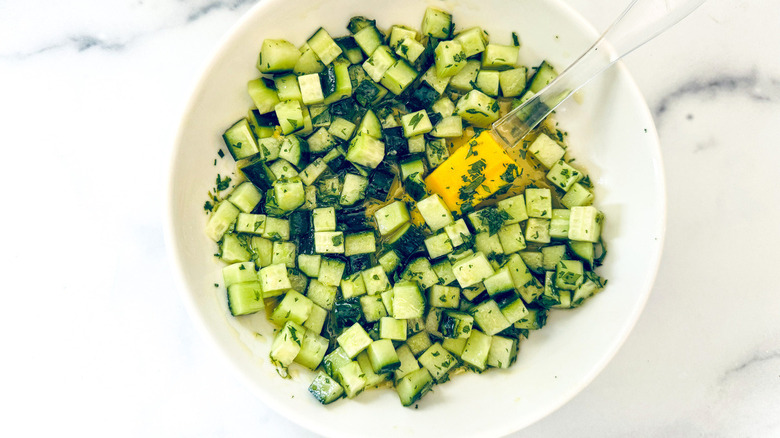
(334, 227)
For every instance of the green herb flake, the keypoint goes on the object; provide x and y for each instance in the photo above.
(415, 120)
(222, 184)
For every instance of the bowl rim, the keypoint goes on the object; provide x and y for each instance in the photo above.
(197, 318)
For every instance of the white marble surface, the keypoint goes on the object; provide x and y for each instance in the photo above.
(96, 341)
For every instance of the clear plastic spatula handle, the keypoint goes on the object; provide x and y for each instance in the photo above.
(639, 23)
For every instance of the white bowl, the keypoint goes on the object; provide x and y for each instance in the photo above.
(611, 133)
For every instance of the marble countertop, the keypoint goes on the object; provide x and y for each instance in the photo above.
(95, 337)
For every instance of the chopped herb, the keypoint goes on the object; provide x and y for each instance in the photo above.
(515, 39)
(222, 184)
(221, 154)
(416, 119)
(208, 206)
(493, 218)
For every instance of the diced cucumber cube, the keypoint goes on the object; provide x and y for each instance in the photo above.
(277, 56)
(409, 49)
(444, 296)
(366, 151)
(538, 230)
(245, 298)
(390, 217)
(368, 39)
(354, 189)
(408, 301)
(284, 253)
(435, 212)
(413, 386)
(290, 115)
(454, 345)
(322, 294)
(443, 270)
(564, 175)
(376, 280)
(503, 352)
(352, 286)
(325, 389)
(324, 219)
(471, 270)
(276, 229)
(499, 282)
(512, 82)
(264, 97)
(450, 58)
(538, 203)
(437, 83)
(585, 224)
(373, 308)
(436, 23)
(308, 62)
(341, 128)
(370, 125)
(465, 79)
(500, 56)
(393, 329)
(569, 274)
(287, 344)
(264, 249)
(331, 271)
(354, 340)
(289, 193)
(383, 356)
(274, 278)
(294, 307)
(287, 87)
(323, 45)
(352, 379)
(514, 311)
(313, 349)
(239, 273)
(477, 108)
(234, 249)
(489, 318)
(416, 123)
(240, 140)
(577, 196)
(418, 342)
(377, 64)
(456, 324)
(546, 150)
(316, 320)
(511, 237)
(488, 244)
(477, 348)
(551, 255)
(448, 127)
(438, 245)
(329, 242)
(399, 76)
(458, 232)
(473, 41)
(221, 219)
(487, 82)
(310, 89)
(420, 271)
